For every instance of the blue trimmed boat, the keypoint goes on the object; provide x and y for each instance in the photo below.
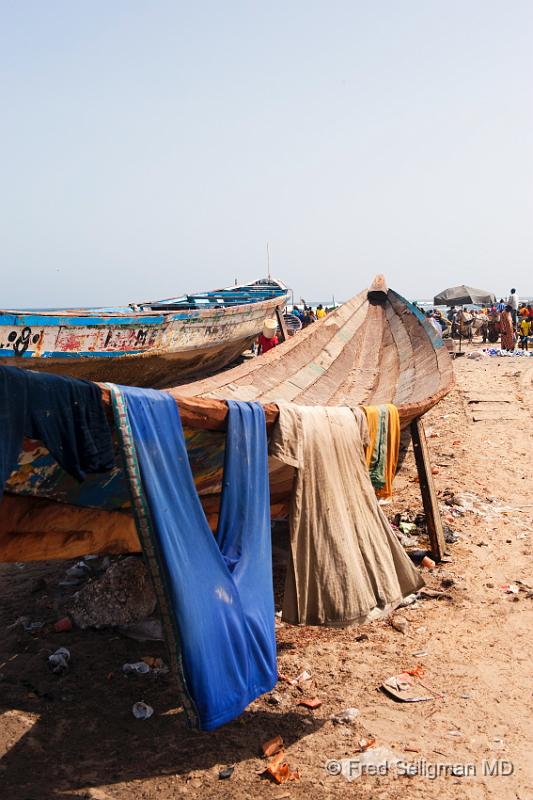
(154, 343)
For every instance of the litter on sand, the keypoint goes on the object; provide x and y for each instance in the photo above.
(279, 771)
(272, 747)
(142, 710)
(404, 687)
(59, 661)
(310, 702)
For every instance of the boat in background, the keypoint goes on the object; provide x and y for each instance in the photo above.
(154, 343)
(375, 348)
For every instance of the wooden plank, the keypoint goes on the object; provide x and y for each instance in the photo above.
(282, 324)
(493, 416)
(427, 488)
(495, 398)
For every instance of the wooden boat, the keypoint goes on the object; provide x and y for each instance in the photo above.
(154, 343)
(376, 348)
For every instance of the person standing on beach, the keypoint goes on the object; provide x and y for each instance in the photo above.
(268, 339)
(507, 328)
(512, 301)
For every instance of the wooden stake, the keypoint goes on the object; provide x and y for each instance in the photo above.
(282, 324)
(427, 489)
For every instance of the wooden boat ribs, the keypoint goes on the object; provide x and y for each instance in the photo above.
(376, 348)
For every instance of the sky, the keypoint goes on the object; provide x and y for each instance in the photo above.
(154, 148)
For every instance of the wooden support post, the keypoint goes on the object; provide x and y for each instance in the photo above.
(427, 488)
(282, 324)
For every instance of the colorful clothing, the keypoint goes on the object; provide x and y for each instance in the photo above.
(65, 414)
(267, 344)
(525, 327)
(214, 592)
(507, 331)
(384, 446)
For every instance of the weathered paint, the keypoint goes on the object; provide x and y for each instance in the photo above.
(192, 338)
(39, 475)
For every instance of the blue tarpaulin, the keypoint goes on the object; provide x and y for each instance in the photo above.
(215, 591)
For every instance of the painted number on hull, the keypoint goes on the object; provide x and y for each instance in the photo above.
(21, 341)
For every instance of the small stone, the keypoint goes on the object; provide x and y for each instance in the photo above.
(346, 717)
(274, 699)
(400, 624)
(226, 773)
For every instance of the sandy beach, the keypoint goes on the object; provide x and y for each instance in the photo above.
(76, 735)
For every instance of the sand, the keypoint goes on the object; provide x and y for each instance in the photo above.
(75, 736)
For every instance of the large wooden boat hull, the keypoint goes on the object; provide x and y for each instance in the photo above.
(156, 347)
(376, 348)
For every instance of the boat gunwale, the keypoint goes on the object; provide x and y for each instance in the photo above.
(160, 316)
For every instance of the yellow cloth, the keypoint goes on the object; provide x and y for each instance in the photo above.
(320, 313)
(525, 327)
(393, 443)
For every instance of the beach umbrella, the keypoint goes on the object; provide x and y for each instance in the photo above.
(462, 295)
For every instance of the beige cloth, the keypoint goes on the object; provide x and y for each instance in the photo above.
(345, 561)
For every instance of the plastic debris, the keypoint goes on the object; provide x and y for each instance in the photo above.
(272, 747)
(346, 717)
(157, 665)
(366, 743)
(75, 575)
(427, 562)
(409, 600)
(59, 661)
(302, 677)
(510, 588)
(407, 527)
(24, 622)
(142, 710)
(403, 687)
(138, 667)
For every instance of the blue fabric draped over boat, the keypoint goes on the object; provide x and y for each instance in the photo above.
(65, 414)
(215, 592)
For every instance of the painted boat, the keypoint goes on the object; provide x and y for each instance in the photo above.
(375, 348)
(153, 343)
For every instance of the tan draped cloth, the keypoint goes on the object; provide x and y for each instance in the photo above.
(345, 562)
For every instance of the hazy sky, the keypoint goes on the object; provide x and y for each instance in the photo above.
(150, 148)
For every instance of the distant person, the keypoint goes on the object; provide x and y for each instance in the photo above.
(524, 331)
(433, 322)
(268, 339)
(507, 328)
(298, 313)
(512, 301)
(320, 313)
(309, 316)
